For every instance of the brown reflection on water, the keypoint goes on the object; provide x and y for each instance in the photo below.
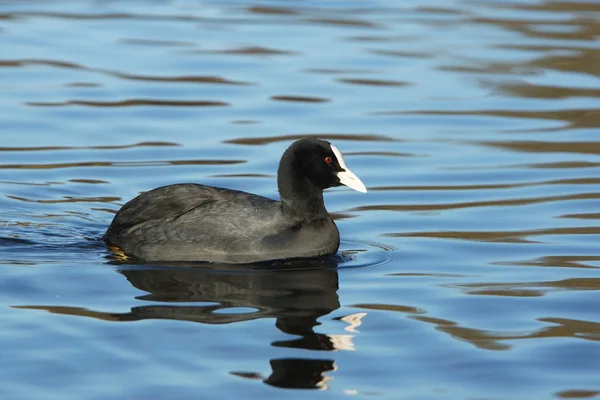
(381, 154)
(578, 27)
(75, 311)
(243, 176)
(529, 289)
(439, 10)
(31, 183)
(501, 236)
(346, 22)
(89, 181)
(338, 216)
(491, 340)
(573, 119)
(186, 79)
(120, 164)
(96, 147)
(551, 54)
(68, 199)
(99, 16)
(257, 141)
(490, 203)
(156, 42)
(51, 63)
(245, 121)
(581, 216)
(131, 103)
(545, 92)
(339, 71)
(547, 147)
(300, 99)
(557, 262)
(83, 84)
(122, 75)
(379, 38)
(497, 340)
(558, 165)
(557, 6)
(582, 60)
(372, 82)
(401, 53)
(574, 181)
(578, 394)
(248, 51)
(272, 10)
(586, 29)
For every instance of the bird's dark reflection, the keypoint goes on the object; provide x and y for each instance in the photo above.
(299, 373)
(296, 298)
(295, 373)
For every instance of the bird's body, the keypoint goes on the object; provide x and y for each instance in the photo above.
(192, 222)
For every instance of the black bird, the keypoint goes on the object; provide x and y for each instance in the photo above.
(191, 222)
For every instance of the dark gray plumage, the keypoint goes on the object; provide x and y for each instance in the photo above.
(191, 222)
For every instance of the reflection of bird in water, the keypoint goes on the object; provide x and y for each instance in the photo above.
(296, 373)
(296, 298)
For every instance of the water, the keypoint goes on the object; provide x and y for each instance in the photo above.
(469, 270)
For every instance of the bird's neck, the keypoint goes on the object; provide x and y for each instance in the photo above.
(299, 196)
(305, 208)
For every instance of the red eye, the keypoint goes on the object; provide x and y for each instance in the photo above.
(328, 160)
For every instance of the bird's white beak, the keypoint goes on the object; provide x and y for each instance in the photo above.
(346, 176)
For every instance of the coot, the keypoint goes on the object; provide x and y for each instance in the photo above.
(192, 222)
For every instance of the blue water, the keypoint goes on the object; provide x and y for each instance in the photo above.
(468, 271)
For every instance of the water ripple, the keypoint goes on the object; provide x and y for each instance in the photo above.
(255, 141)
(131, 103)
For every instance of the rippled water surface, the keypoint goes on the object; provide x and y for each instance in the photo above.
(470, 270)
